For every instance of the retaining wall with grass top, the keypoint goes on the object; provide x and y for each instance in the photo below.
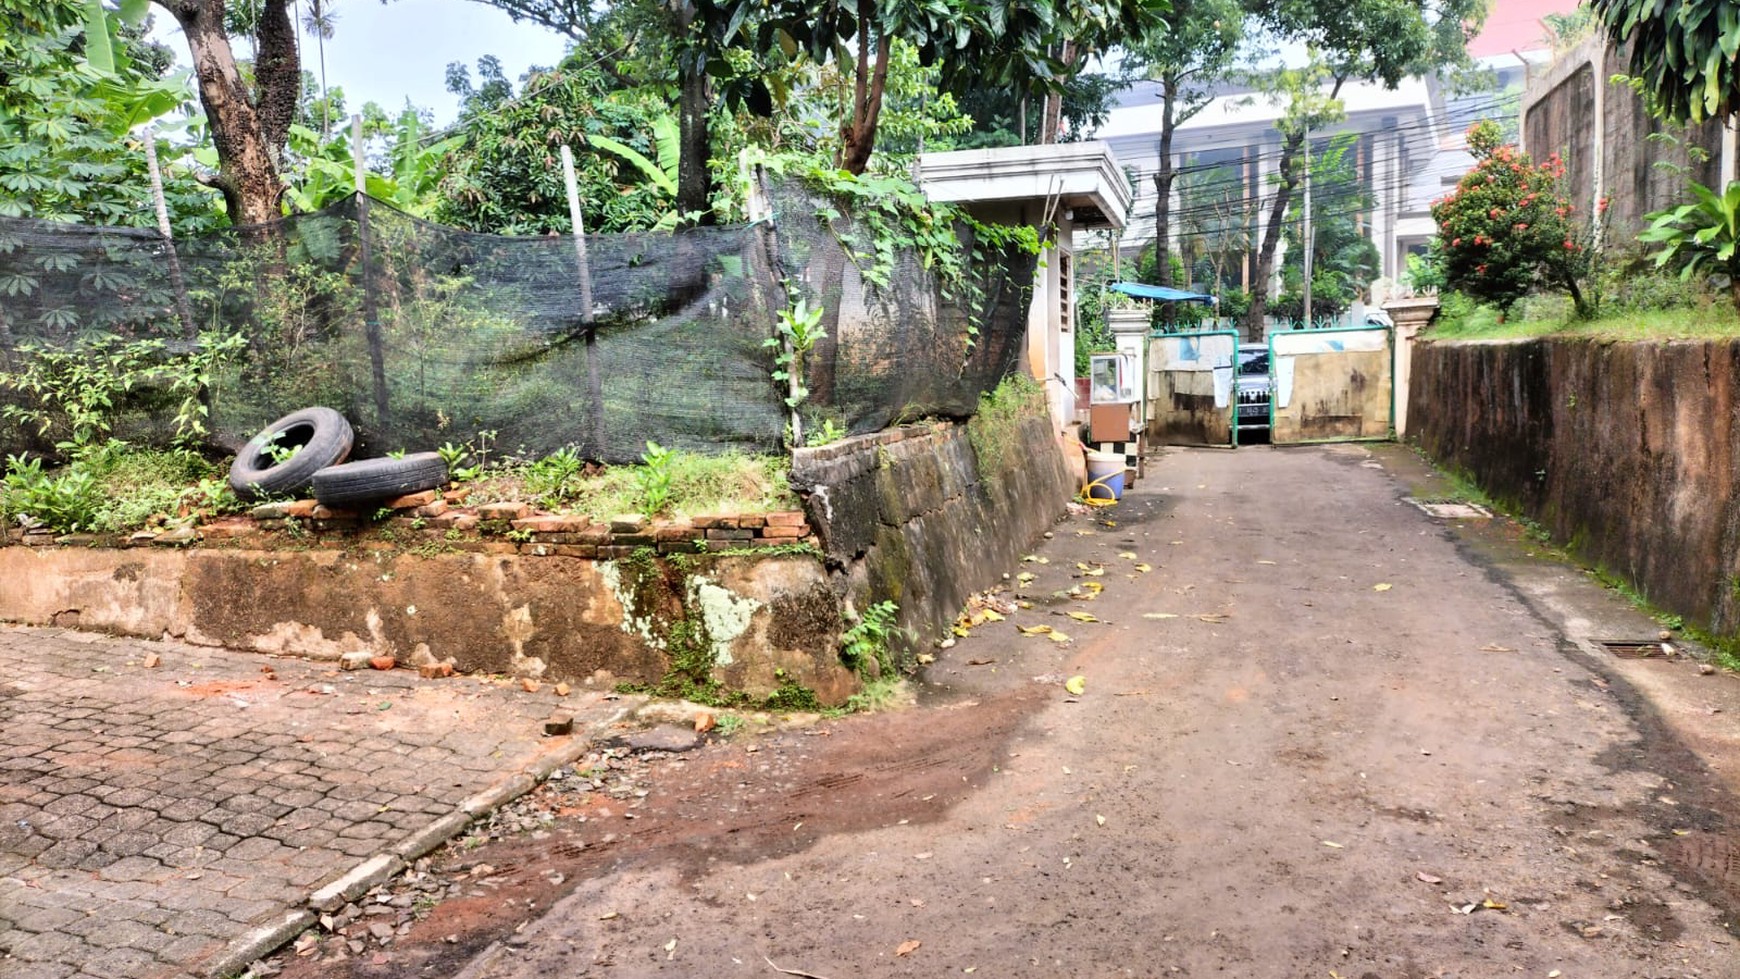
(925, 516)
(1628, 452)
(725, 608)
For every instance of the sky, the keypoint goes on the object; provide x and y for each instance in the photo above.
(389, 52)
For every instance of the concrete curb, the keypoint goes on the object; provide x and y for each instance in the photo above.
(268, 938)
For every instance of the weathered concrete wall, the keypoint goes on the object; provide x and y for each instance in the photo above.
(914, 516)
(1629, 452)
(767, 619)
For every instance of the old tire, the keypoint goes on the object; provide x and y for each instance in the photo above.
(323, 439)
(379, 479)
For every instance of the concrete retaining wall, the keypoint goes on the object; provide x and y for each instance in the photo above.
(1626, 451)
(915, 516)
(767, 620)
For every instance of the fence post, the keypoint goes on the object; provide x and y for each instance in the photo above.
(594, 383)
(371, 317)
(176, 282)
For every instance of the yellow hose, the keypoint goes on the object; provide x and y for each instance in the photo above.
(1087, 492)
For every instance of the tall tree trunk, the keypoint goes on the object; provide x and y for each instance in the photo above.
(694, 143)
(1051, 124)
(1272, 237)
(247, 159)
(1163, 179)
(858, 134)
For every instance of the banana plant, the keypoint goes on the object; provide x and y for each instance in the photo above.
(661, 174)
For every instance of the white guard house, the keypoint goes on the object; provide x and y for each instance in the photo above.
(1057, 189)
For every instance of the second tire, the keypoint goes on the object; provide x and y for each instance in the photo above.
(379, 479)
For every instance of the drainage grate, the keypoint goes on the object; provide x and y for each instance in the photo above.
(1635, 648)
(1452, 511)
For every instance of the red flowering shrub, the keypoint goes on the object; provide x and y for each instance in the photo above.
(1508, 226)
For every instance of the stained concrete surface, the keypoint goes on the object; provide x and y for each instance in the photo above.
(1322, 734)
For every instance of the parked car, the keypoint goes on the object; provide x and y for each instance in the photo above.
(1254, 387)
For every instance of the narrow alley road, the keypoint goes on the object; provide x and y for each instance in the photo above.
(1321, 736)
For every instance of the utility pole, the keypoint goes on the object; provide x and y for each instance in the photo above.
(1307, 234)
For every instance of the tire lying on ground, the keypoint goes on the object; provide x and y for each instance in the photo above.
(379, 479)
(320, 437)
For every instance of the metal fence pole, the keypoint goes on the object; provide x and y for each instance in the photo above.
(594, 382)
(176, 282)
(371, 316)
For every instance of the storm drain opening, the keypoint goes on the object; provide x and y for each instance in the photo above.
(1452, 511)
(1636, 648)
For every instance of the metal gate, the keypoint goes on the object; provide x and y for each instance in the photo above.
(1189, 394)
(1333, 385)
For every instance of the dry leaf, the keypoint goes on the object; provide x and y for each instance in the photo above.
(1075, 684)
(980, 662)
(1158, 615)
(1426, 878)
(704, 723)
(1034, 630)
(1337, 846)
(1095, 572)
(606, 916)
(1212, 618)
(1099, 820)
(1092, 589)
(1385, 586)
(908, 947)
(962, 631)
(1265, 562)
(1082, 616)
(1490, 904)
(991, 615)
(1056, 636)
(1144, 568)
(1036, 559)
(1128, 555)
(1025, 577)
(1493, 647)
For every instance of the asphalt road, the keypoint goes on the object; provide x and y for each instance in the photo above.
(1322, 734)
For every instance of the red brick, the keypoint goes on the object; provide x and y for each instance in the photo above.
(786, 518)
(435, 509)
(711, 520)
(785, 533)
(411, 501)
(749, 523)
(553, 523)
(228, 530)
(301, 508)
(574, 550)
(717, 534)
(505, 510)
(681, 531)
(457, 496)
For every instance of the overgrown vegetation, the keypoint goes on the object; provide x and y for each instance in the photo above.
(113, 488)
(673, 482)
(995, 431)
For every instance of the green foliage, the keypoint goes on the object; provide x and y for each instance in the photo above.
(864, 647)
(1686, 52)
(64, 501)
(1701, 238)
(994, 430)
(552, 479)
(800, 329)
(66, 153)
(506, 177)
(74, 394)
(827, 433)
(322, 171)
(1508, 226)
(654, 479)
(476, 450)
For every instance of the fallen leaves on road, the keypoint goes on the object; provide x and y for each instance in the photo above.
(1382, 586)
(1158, 615)
(1331, 843)
(908, 947)
(1099, 819)
(1426, 878)
(1493, 647)
(980, 662)
(1127, 555)
(1090, 590)
(1034, 630)
(1265, 562)
(791, 972)
(1036, 559)
(1026, 577)
(1144, 568)
(1083, 616)
(1212, 618)
(1075, 684)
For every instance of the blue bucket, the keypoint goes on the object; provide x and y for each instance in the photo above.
(1105, 472)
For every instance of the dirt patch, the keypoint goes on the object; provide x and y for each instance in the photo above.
(725, 802)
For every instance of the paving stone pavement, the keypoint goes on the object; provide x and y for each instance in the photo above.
(149, 818)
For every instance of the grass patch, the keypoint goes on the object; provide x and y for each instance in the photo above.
(1696, 317)
(994, 431)
(698, 484)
